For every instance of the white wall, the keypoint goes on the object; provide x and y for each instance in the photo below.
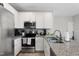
(13, 11)
(76, 26)
(61, 23)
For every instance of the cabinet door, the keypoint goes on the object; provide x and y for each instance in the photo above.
(32, 17)
(48, 19)
(39, 44)
(46, 48)
(17, 46)
(39, 20)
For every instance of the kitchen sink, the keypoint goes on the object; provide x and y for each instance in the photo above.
(54, 40)
(59, 42)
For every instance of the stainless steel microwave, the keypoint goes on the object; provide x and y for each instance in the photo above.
(29, 25)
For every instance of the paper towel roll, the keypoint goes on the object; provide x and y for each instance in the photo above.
(67, 38)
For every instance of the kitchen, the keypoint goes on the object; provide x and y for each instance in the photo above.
(39, 29)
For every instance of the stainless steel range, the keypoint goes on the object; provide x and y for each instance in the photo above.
(28, 36)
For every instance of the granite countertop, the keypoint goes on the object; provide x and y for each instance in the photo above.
(66, 48)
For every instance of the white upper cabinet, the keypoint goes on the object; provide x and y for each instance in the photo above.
(39, 20)
(25, 16)
(44, 20)
(48, 20)
(32, 17)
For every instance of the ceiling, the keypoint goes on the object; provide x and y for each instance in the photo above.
(58, 9)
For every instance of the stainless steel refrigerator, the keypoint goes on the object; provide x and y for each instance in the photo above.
(6, 32)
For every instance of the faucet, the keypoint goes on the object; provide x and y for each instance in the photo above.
(60, 38)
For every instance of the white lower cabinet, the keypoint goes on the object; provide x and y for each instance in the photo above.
(39, 44)
(46, 48)
(17, 46)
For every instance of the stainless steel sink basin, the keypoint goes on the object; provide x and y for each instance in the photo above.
(54, 40)
(59, 42)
